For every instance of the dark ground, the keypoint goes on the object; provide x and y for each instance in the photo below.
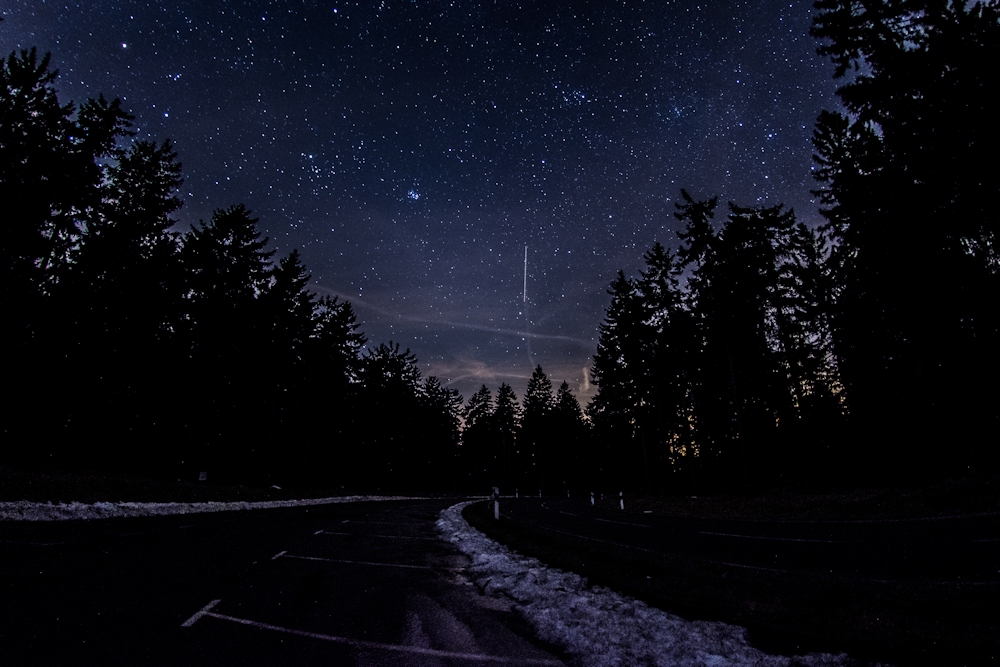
(904, 577)
(876, 609)
(367, 583)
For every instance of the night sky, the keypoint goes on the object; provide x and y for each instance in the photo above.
(411, 149)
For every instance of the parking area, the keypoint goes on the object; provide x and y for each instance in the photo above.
(361, 584)
(376, 589)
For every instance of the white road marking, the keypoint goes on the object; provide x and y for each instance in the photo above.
(377, 646)
(285, 554)
(762, 537)
(388, 537)
(625, 523)
(204, 610)
(278, 555)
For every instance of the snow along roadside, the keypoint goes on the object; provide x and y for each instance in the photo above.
(599, 627)
(24, 510)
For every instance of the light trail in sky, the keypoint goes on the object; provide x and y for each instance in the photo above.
(525, 299)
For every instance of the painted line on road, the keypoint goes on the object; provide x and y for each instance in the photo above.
(584, 537)
(285, 554)
(625, 523)
(388, 537)
(775, 570)
(31, 544)
(663, 553)
(763, 537)
(367, 645)
(202, 612)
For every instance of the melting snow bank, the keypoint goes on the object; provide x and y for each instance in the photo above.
(599, 627)
(29, 511)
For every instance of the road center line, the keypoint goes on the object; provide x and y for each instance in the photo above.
(285, 554)
(378, 646)
(762, 537)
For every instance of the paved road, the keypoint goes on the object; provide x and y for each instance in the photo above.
(352, 584)
(957, 551)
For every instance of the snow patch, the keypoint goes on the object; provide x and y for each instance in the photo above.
(599, 627)
(30, 511)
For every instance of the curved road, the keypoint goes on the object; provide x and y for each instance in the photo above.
(954, 550)
(349, 584)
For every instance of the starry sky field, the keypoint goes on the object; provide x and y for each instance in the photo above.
(411, 149)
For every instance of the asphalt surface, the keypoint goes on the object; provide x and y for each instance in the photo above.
(957, 551)
(351, 584)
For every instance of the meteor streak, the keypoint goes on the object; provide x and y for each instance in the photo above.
(525, 299)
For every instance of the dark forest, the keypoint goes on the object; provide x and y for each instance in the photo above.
(754, 352)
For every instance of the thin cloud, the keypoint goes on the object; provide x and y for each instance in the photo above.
(452, 323)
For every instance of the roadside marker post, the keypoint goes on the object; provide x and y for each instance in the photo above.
(621, 500)
(591, 498)
(496, 503)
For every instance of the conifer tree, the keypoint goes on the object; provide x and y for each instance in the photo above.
(227, 270)
(50, 182)
(571, 466)
(620, 371)
(50, 177)
(743, 391)
(329, 400)
(481, 457)
(123, 297)
(533, 456)
(439, 441)
(908, 175)
(389, 407)
(668, 443)
(506, 420)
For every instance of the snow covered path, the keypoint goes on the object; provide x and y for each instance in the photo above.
(599, 627)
